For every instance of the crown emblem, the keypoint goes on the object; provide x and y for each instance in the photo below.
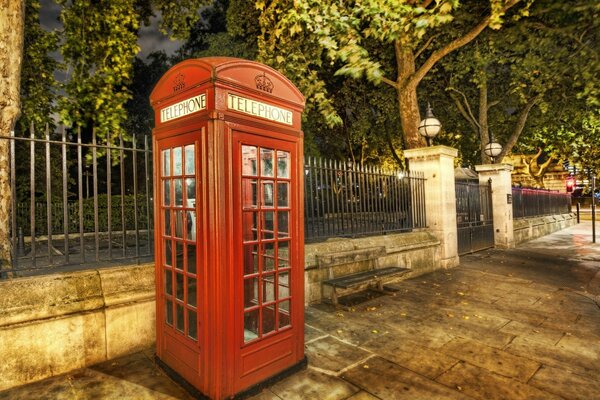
(178, 82)
(264, 83)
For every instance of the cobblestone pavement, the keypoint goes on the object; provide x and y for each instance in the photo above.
(505, 324)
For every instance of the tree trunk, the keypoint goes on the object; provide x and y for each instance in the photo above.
(12, 16)
(484, 133)
(408, 105)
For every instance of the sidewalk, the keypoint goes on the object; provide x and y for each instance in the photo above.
(516, 324)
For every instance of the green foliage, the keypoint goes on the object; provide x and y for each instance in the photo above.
(178, 17)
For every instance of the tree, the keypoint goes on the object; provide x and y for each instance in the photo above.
(12, 16)
(300, 36)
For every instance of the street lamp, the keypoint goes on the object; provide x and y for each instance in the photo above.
(430, 126)
(492, 149)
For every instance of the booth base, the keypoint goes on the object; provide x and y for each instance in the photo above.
(253, 390)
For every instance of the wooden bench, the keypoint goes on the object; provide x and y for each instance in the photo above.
(372, 275)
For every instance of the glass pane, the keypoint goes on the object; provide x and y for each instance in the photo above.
(267, 194)
(189, 160)
(284, 285)
(284, 313)
(191, 300)
(249, 193)
(282, 194)
(190, 192)
(266, 162)
(166, 160)
(179, 286)
(168, 253)
(249, 226)
(169, 312)
(178, 192)
(191, 259)
(268, 256)
(283, 228)
(167, 223)
(250, 292)
(283, 254)
(250, 325)
(250, 259)
(267, 225)
(268, 287)
(192, 325)
(168, 282)
(178, 255)
(179, 317)
(177, 161)
(283, 164)
(249, 160)
(190, 226)
(167, 192)
(268, 319)
(179, 224)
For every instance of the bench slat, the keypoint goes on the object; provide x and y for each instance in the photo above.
(360, 278)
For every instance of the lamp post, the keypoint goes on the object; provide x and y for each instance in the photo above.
(492, 149)
(430, 126)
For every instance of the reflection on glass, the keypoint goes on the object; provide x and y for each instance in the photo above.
(179, 224)
(192, 325)
(284, 285)
(168, 282)
(249, 160)
(268, 319)
(169, 312)
(249, 193)
(166, 162)
(284, 313)
(267, 195)
(180, 321)
(190, 192)
(167, 223)
(168, 253)
(283, 164)
(268, 287)
(191, 300)
(250, 292)
(250, 259)
(283, 254)
(267, 225)
(283, 224)
(178, 192)
(189, 159)
(177, 161)
(250, 325)
(268, 256)
(167, 193)
(191, 258)
(249, 226)
(179, 286)
(282, 194)
(190, 225)
(178, 255)
(266, 162)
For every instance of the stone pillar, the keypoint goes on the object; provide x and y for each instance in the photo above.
(437, 164)
(500, 174)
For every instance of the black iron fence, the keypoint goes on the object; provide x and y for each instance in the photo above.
(343, 200)
(74, 202)
(538, 202)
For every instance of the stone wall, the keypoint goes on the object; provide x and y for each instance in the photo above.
(526, 229)
(56, 323)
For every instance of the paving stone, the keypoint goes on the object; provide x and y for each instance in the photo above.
(333, 355)
(387, 380)
(481, 384)
(456, 326)
(362, 395)
(309, 385)
(566, 383)
(492, 359)
(542, 335)
(266, 394)
(311, 333)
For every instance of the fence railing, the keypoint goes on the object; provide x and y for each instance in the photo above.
(53, 224)
(538, 202)
(340, 200)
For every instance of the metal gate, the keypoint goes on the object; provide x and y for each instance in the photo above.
(474, 216)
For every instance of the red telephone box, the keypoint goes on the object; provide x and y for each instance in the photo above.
(228, 224)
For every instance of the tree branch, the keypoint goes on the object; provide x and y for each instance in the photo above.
(468, 108)
(390, 82)
(512, 140)
(425, 46)
(492, 104)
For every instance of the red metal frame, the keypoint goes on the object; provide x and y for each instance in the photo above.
(220, 105)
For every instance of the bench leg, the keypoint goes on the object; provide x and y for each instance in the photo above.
(334, 298)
